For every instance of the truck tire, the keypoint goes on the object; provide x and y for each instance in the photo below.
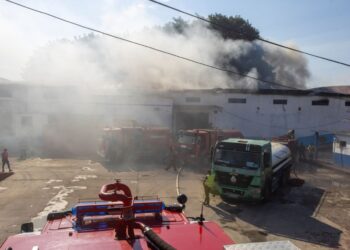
(267, 191)
(285, 178)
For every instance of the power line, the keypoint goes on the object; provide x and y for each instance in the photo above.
(149, 47)
(259, 38)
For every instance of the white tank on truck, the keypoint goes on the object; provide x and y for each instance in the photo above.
(279, 153)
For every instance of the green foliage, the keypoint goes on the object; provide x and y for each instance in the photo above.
(233, 27)
(178, 25)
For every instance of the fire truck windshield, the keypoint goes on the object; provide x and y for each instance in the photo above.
(186, 139)
(239, 159)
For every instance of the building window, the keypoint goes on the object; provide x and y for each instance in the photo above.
(322, 102)
(27, 121)
(347, 103)
(280, 101)
(193, 99)
(237, 100)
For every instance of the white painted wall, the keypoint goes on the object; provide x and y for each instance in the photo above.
(144, 110)
(271, 119)
(148, 109)
(342, 150)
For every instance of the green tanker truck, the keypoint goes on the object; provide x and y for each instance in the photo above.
(250, 169)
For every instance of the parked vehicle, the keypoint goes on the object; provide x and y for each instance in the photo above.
(121, 221)
(195, 146)
(250, 169)
(135, 143)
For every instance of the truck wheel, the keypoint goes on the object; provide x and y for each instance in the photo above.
(267, 192)
(285, 178)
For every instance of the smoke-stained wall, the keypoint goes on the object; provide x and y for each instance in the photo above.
(68, 121)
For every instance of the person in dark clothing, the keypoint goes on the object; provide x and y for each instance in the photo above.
(5, 160)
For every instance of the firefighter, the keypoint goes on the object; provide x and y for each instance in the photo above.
(172, 159)
(5, 160)
(206, 189)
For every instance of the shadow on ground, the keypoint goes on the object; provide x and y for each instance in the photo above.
(5, 175)
(289, 214)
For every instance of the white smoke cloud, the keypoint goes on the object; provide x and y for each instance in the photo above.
(102, 62)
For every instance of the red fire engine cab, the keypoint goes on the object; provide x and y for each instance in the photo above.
(195, 145)
(121, 221)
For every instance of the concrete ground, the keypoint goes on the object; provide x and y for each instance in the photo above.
(313, 216)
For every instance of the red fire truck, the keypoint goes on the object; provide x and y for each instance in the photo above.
(135, 143)
(194, 146)
(121, 221)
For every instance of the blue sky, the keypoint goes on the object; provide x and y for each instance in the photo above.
(320, 27)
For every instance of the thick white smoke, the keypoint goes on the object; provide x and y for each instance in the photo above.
(98, 61)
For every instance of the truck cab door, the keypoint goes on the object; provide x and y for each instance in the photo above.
(266, 169)
(266, 160)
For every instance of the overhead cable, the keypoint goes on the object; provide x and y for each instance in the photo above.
(259, 38)
(151, 48)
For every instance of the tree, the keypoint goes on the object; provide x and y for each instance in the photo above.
(234, 28)
(178, 25)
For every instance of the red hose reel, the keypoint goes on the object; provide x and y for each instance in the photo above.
(116, 192)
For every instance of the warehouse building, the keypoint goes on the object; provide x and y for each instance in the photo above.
(32, 113)
(341, 149)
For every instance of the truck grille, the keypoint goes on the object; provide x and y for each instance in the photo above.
(242, 181)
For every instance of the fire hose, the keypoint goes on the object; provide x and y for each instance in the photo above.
(177, 180)
(153, 238)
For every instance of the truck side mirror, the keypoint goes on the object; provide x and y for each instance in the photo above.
(267, 159)
(27, 227)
